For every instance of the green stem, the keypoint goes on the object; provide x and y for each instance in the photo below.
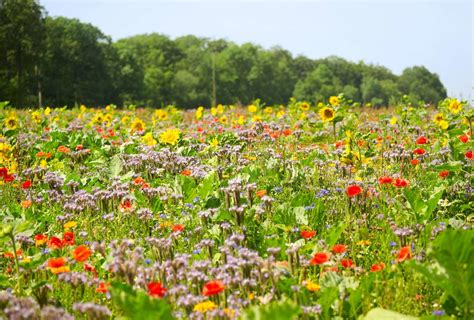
(17, 264)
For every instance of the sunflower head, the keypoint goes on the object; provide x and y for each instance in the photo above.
(454, 106)
(11, 122)
(327, 114)
(170, 136)
(334, 101)
(137, 125)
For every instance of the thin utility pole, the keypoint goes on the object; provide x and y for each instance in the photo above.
(213, 102)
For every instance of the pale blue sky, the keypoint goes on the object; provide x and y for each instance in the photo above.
(396, 34)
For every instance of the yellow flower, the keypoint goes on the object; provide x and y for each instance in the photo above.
(170, 136)
(36, 116)
(304, 106)
(327, 114)
(256, 118)
(125, 120)
(438, 118)
(252, 108)
(162, 115)
(241, 120)
(443, 124)
(220, 109)
(5, 147)
(69, 225)
(83, 108)
(199, 112)
(454, 106)
(98, 118)
(223, 120)
(214, 143)
(363, 243)
(281, 113)
(334, 101)
(268, 110)
(148, 139)
(302, 116)
(43, 163)
(47, 111)
(137, 125)
(393, 120)
(311, 286)
(11, 122)
(205, 306)
(229, 312)
(320, 105)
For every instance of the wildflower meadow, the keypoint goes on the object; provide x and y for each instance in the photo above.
(297, 211)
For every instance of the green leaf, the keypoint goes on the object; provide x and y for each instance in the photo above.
(300, 215)
(115, 166)
(383, 314)
(278, 310)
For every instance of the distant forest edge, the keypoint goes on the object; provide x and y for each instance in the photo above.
(61, 61)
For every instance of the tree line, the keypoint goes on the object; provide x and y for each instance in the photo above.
(61, 61)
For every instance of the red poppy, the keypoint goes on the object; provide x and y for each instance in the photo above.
(400, 183)
(415, 162)
(419, 151)
(212, 288)
(58, 265)
(353, 190)
(68, 238)
(155, 289)
(464, 138)
(3, 172)
(319, 258)
(469, 155)
(339, 248)
(377, 267)
(385, 180)
(444, 174)
(177, 228)
(308, 234)
(404, 254)
(102, 287)
(347, 263)
(26, 184)
(90, 268)
(81, 253)
(126, 205)
(421, 140)
(8, 177)
(55, 243)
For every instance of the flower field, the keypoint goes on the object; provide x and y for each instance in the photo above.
(328, 211)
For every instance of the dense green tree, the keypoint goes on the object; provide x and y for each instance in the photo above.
(421, 84)
(21, 38)
(76, 66)
(72, 62)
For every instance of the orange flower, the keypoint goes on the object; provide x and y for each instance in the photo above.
(347, 263)
(443, 174)
(385, 180)
(102, 287)
(422, 140)
(339, 248)
(54, 243)
(81, 253)
(415, 162)
(40, 239)
(10, 255)
(464, 138)
(404, 254)
(68, 238)
(26, 203)
(138, 181)
(212, 288)
(319, 258)
(186, 172)
(400, 183)
(63, 149)
(308, 234)
(377, 267)
(261, 193)
(353, 190)
(178, 228)
(58, 265)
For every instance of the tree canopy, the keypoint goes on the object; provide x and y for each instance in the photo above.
(63, 61)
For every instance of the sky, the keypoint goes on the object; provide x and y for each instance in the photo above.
(397, 34)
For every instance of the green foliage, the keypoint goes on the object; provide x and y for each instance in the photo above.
(139, 305)
(278, 310)
(383, 314)
(452, 253)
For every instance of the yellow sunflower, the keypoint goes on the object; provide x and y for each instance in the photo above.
(148, 139)
(327, 114)
(161, 115)
(199, 112)
(334, 101)
(454, 106)
(205, 306)
(252, 108)
(11, 122)
(438, 118)
(305, 106)
(137, 125)
(170, 136)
